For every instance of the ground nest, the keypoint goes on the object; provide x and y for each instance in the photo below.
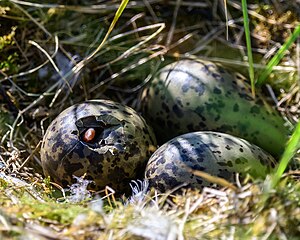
(52, 57)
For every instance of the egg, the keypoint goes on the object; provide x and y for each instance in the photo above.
(197, 95)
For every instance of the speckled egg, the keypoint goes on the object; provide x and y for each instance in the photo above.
(104, 141)
(217, 154)
(195, 95)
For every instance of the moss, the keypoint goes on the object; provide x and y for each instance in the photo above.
(199, 30)
(8, 58)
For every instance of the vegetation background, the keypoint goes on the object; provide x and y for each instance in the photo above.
(57, 53)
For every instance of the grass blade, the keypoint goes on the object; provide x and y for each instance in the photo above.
(248, 43)
(119, 12)
(111, 27)
(278, 56)
(290, 150)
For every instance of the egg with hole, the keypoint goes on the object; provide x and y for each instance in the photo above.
(104, 141)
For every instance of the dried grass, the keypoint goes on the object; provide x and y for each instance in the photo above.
(44, 76)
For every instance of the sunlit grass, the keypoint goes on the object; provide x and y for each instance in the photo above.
(206, 214)
(291, 148)
(294, 143)
(278, 56)
(111, 27)
(133, 40)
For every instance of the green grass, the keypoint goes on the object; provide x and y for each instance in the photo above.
(293, 145)
(294, 142)
(278, 56)
(111, 27)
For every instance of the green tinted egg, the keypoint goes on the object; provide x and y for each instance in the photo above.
(217, 154)
(193, 95)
